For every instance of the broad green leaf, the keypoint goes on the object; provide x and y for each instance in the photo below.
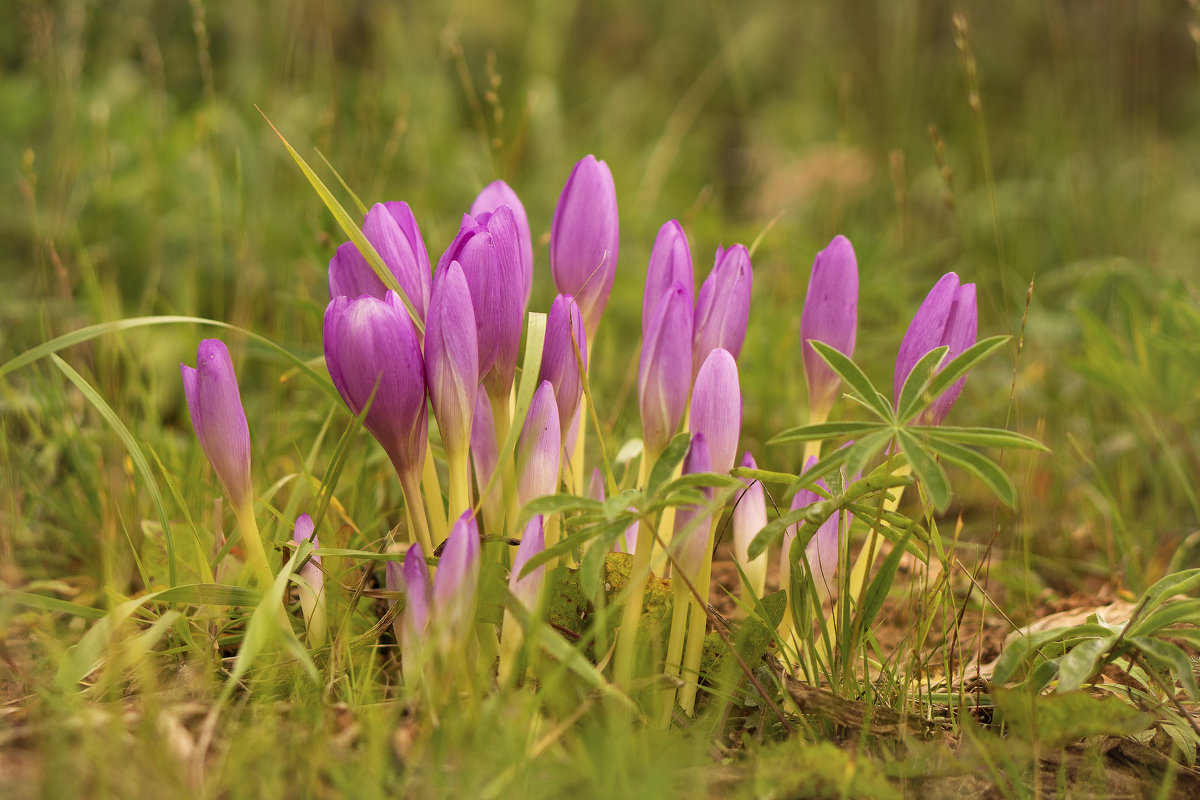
(1026, 646)
(1176, 583)
(1059, 719)
(1169, 614)
(1171, 657)
(1080, 663)
(985, 437)
(913, 397)
(135, 454)
(855, 379)
(978, 465)
(825, 430)
(928, 471)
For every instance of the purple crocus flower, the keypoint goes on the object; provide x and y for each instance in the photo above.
(392, 230)
(489, 252)
(585, 239)
(412, 626)
(527, 588)
(830, 316)
(452, 357)
(499, 193)
(947, 317)
(539, 447)
(215, 405)
(723, 306)
(670, 261)
(665, 371)
(750, 517)
(717, 408)
(457, 577)
(694, 522)
(564, 338)
(371, 348)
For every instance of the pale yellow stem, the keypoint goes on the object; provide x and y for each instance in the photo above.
(256, 555)
(624, 660)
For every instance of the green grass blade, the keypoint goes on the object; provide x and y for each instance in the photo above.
(44, 603)
(135, 453)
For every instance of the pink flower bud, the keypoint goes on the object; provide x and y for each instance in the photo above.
(392, 230)
(559, 363)
(830, 316)
(750, 517)
(723, 306)
(499, 193)
(670, 261)
(457, 578)
(694, 522)
(665, 371)
(585, 239)
(527, 588)
(220, 421)
(947, 317)
(717, 408)
(539, 447)
(452, 357)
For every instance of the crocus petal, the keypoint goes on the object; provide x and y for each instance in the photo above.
(414, 577)
(218, 417)
(527, 588)
(303, 532)
(960, 334)
(670, 261)
(452, 357)
(723, 305)
(665, 371)
(585, 239)
(717, 408)
(392, 231)
(539, 447)
(694, 522)
(830, 316)
(457, 577)
(371, 347)
(485, 455)
(499, 193)
(565, 338)
(750, 517)
(927, 330)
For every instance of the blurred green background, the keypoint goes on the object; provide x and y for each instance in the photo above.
(1047, 142)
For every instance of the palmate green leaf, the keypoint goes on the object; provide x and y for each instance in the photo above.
(978, 465)
(773, 532)
(668, 460)
(856, 380)
(825, 465)
(351, 229)
(1170, 657)
(925, 467)
(987, 437)
(95, 331)
(825, 430)
(859, 454)
(135, 454)
(914, 390)
(963, 363)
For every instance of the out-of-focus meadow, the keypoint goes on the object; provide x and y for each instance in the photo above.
(1046, 151)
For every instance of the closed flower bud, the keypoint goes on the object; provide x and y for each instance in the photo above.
(947, 318)
(717, 408)
(539, 447)
(527, 588)
(670, 261)
(457, 578)
(750, 517)
(215, 404)
(499, 193)
(723, 306)
(489, 253)
(585, 239)
(665, 371)
(392, 230)
(564, 338)
(372, 354)
(830, 316)
(694, 522)
(452, 357)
